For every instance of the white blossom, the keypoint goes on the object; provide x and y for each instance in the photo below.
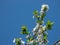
(14, 40)
(46, 32)
(31, 42)
(39, 38)
(34, 33)
(39, 31)
(33, 17)
(36, 27)
(27, 36)
(47, 41)
(44, 7)
(22, 42)
(41, 12)
(44, 27)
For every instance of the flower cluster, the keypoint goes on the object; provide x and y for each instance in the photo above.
(44, 8)
(40, 35)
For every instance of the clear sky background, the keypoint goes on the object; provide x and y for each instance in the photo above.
(15, 13)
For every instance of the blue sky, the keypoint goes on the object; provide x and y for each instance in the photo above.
(15, 13)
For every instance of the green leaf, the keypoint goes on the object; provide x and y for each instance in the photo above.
(49, 25)
(28, 40)
(27, 32)
(39, 21)
(31, 38)
(24, 30)
(18, 41)
(45, 36)
(35, 12)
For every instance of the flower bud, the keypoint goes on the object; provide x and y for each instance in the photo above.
(45, 8)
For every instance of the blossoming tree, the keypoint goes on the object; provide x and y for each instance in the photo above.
(40, 35)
